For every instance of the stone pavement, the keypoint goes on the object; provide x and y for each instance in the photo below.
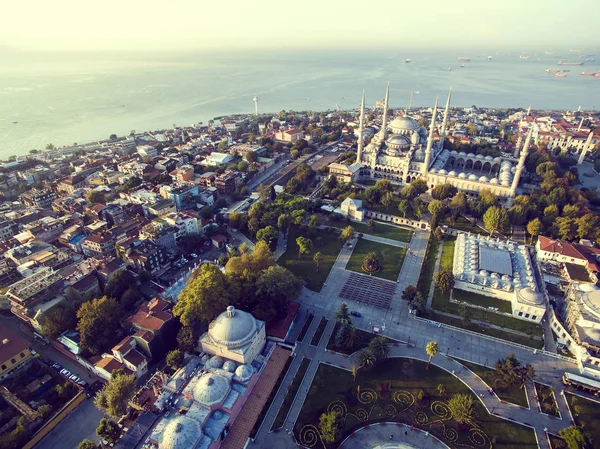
(378, 436)
(374, 238)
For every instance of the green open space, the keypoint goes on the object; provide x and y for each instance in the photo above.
(291, 394)
(363, 341)
(546, 399)
(462, 224)
(557, 442)
(325, 242)
(380, 230)
(586, 414)
(304, 330)
(391, 393)
(390, 258)
(514, 394)
(392, 209)
(319, 332)
(482, 300)
(426, 277)
(447, 258)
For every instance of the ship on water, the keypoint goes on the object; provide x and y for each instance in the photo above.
(463, 59)
(524, 57)
(589, 73)
(552, 71)
(571, 62)
(447, 69)
(407, 60)
(489, 58)
(560, 75)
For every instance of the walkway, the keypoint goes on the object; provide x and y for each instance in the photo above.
(374, 238)
(377, 436)
(436, 268)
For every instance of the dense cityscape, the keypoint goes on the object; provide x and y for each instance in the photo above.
(284, 280)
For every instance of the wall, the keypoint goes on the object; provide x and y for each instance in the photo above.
(480, 289)
(397, 220)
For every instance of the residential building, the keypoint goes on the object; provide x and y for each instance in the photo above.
(227, 182)
(161, 208)
(7, 230)
(142, 254)
(72, 183)
(40, 199)
(216, 159)
(289, 135)
(243, 149)
(42, 285)
(161, 234)
(100, 245)
(106, 270)
(14, 352)
(184, 173)
(124, 356)
(146, 151)
(154, 326)
(345, 173)
(183, 195)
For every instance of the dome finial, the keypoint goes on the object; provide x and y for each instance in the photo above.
(230, 311)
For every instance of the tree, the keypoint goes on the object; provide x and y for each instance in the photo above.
(343, 314)
(223, 144)
(496, 219)
(566, 228)
(237, 220)
(113, 137)
(409, 293)
(98, 324)
(298, 216)
(435, 207)
(383, 185)
(115, 395)
(458, 205)
(372, 195)
(371, 225)
(365, 359)
(403, 207)
(119, 283)
(305, 245)
(251, 157)
(108, 430)
(419, 185)
(443, 191)
(380, 347)
(330, 426)
(487, 197)
(587, 226)
(275, 287)
(130, 297)
(175, 359)
(431, 349)
(574, 438)
(509, 371)
(205, 295)
(347, 234)
(57, 320)
(418, 303)
(465, 313)
(87, 444)
(314, 221)
(534, 228)
(268, 234)
(283, 222)
(441, 388)
(318, 258)
(354, 370)
(371, 263)
(96, 197)
(444, 279)
(187, 339)
(463, 409)
(387, 198)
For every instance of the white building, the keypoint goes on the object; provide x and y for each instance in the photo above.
(215, 159)
(147, 151)
(500, 269)
(353, 209)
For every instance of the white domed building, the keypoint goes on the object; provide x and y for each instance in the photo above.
(235, 335)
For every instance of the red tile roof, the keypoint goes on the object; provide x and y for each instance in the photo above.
(559, 247)
(124, 345)
(280, 327)
(134, 357)
(10, 344)
(151, 315)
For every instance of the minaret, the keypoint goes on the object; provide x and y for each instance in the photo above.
(580, 123)
(255, 100)
(521, 164)
(529, 110)
(430, 140)
(518, 145)
(383, 132)
(445, 122)
(361, 130)
(586, 148)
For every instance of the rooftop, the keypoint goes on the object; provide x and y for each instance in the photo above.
(10, 344)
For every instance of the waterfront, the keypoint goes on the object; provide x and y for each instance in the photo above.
(63, 99)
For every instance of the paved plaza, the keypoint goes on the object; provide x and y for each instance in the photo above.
(391, 436)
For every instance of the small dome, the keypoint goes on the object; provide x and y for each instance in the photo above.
(483, 272)
(489, 158)
(211, 389)
(400, 124)
(181, 433)
(398, 141)
(453, 152)
(433, 170)
(497, 159)
(462, 175)
(462, 153)
(244, 372)
(505, 183)
(483, 179)
(442, 172)
(229, 366)
(494, 181)
(233, 328)
(473, 177)
(531, 297)
(452, 173)
(214, 362)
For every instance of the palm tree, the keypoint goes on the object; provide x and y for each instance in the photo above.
(365, 359)
(318, 258)
(343, 314)
(441, 389)
(354, 372)
(380, 347)
(431, 349)
(352, 338)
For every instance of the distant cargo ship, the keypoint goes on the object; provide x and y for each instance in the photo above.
(407, 60)
(524, 57)
(489, 58)
(589, 74)
(463, 59)
(552, 71)
(448, 69)
(571, 62)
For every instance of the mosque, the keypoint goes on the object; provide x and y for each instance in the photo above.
(403, 151)
(204, 397)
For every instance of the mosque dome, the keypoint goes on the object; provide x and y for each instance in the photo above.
(479, 156)
(214, 362)
(181, 433)
(462, 175)
(529, 296)
(244, 372)
(483, 179)
(489, 158)
(494, 181)
(398, 141)
(233, 328)
(497, 159)
(452, 173)
(453, 152)
(211, 389)
(442, 172)
(472, 177)
(433, 170)
(229, 366)
(403, 125)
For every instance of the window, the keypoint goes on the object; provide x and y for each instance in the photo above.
(3, 367)
(534, 317)
(13, 361)
(526, 315)
(520, 313)
(22, 355)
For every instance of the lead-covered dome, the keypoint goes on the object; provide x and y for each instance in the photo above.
(530, 296)
(244, 372)
(181, 433)
(233, 328)
(398, 141)
(211, 389)
(402, 125)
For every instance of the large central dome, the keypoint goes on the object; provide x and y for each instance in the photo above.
(233, 328)
(211, 389)
(402, 125)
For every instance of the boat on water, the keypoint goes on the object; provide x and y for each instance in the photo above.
(553, 71)
(489, 58)
(462, 65)
(407, 60)
(589, 73)
(566, 70)
(560, 75)
(463, 59)
(571, 62)
(447, 69)
(549, 52)
(524, 57)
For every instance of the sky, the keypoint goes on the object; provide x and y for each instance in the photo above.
(181, 25)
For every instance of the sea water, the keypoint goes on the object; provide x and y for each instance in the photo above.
(66, 98)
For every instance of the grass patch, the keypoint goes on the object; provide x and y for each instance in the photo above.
(304, 330)
(462, 224)
(586, 414)
(497, 333)
(263, 412)
(392, 209)
(427, 273)
(557, 442)
(390, 393)
(514, 394)
(326, 242)
(291, 394)
(390, 258)
(386, 231)
(447, 258)
(364, 339)
(482, 301)
(319, 332)
(546, 399)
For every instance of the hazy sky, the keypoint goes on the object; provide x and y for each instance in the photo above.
(207, 24)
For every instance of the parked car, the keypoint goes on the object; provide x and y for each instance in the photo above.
(194, 255)
(66, 373)
(57, 367)
(357, 314)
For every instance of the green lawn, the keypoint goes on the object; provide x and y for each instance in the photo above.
(390, 393)
(392, 209)
(319, 332)
(327, 243)
(586, 414)
(304, 330)
(482, 300)
(380, 230)
(546, 398)
(364, 337)
(514, 394)
(428, 266)
(390, 258)
(557, 442)
(462, 224)
(291, 394)
(447, 258)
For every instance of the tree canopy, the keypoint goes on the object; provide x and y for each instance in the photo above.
(108, 430)
(330, 426)
(119, 283)
(463, 409)
(98, 324)
(115, 395)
